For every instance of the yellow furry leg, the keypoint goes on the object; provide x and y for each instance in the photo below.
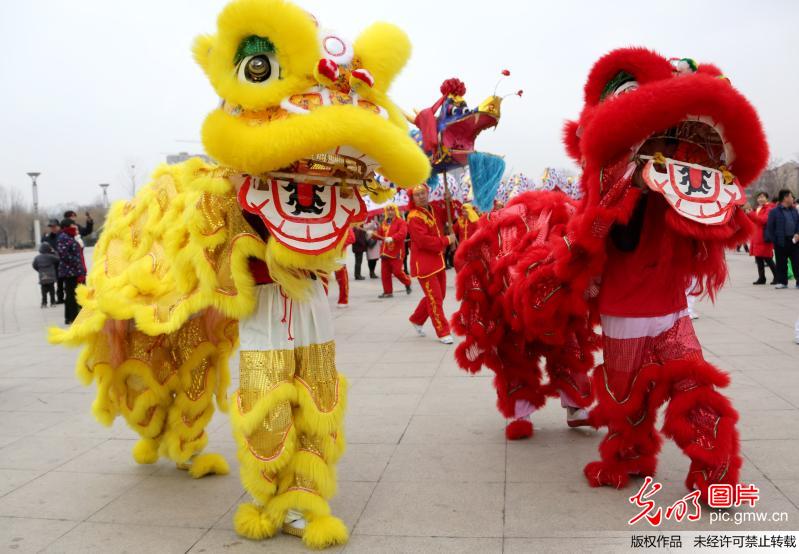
(205, 464)
(309, 480)
(263, 427)
(145, 451)
(252, 522)
(325, 531)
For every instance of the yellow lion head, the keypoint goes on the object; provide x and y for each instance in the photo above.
(293, 95)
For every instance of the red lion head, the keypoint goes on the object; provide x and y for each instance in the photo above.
(688, 132)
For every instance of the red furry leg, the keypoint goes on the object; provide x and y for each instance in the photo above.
(632, 443)
(702, 421)
(519, 429)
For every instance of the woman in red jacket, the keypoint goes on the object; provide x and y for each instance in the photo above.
(392, 233)
(762, 251)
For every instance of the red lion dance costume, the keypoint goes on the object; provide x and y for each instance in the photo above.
(665, 147)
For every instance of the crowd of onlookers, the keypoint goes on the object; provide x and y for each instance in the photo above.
(61, 264)
(775, 240)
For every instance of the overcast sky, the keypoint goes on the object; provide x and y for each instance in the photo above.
(88, 87)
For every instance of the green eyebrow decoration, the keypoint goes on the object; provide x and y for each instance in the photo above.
(619, 79)
(253, 45)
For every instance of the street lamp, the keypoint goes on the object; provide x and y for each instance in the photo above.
(37, 231)
(104, 186)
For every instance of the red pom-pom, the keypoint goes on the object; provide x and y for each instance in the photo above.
(519, 429)
(506, 73)
(454, 87)
(519, 93)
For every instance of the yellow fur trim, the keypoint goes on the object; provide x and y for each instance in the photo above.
(205, 464)
(253, 523)
(313, 467)
(287, 268)
(383, 49)
(247, 423)
(254, 480)
(145, 451)
(258, 475)
(264, 148)
(324, 532)
(309, 418)
(310, 504)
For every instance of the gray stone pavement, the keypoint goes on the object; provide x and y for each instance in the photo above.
(427, 467)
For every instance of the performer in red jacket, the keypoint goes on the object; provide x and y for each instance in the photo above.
(427, 264)
(762, 251)
(392, 233)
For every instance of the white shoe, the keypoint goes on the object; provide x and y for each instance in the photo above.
(577, 417)
(693, 316)
(446, 340)
(294, 524)
(419, 330)
(342, 306)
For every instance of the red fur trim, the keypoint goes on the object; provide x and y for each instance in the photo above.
(571, 141)
(643, 64)
(518, 429)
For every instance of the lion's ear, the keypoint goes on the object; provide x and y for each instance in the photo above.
(571, 139)
(383, 50)
(201, 49)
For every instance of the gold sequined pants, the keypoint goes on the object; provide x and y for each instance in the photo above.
(288, 413)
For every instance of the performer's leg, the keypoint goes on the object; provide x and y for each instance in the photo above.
(308, 481)
(385, 275)
(435, 294)
(702, 422)
(261, 415)
(195, 353)
(422, 312)
(397, 271)
(632, 443)
(629, 389)
(518, 386)
(144, 383)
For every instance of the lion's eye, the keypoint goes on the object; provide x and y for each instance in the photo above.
(260, 69)
(625, 87)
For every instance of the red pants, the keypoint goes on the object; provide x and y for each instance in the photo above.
(343, 285)
(392, 267)
(641, 373)
(434, 289)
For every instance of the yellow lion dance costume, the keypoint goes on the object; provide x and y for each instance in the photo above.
(210, 256)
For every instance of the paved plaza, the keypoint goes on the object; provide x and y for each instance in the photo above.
(427, 467)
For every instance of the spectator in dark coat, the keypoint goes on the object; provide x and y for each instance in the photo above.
(83, 231)
(782, 230)
(359, 248)
(46, 263)
(71, 267)
(51, 238)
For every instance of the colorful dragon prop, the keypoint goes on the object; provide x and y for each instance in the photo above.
(665, 147)
(447, 132)
(210, 256)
